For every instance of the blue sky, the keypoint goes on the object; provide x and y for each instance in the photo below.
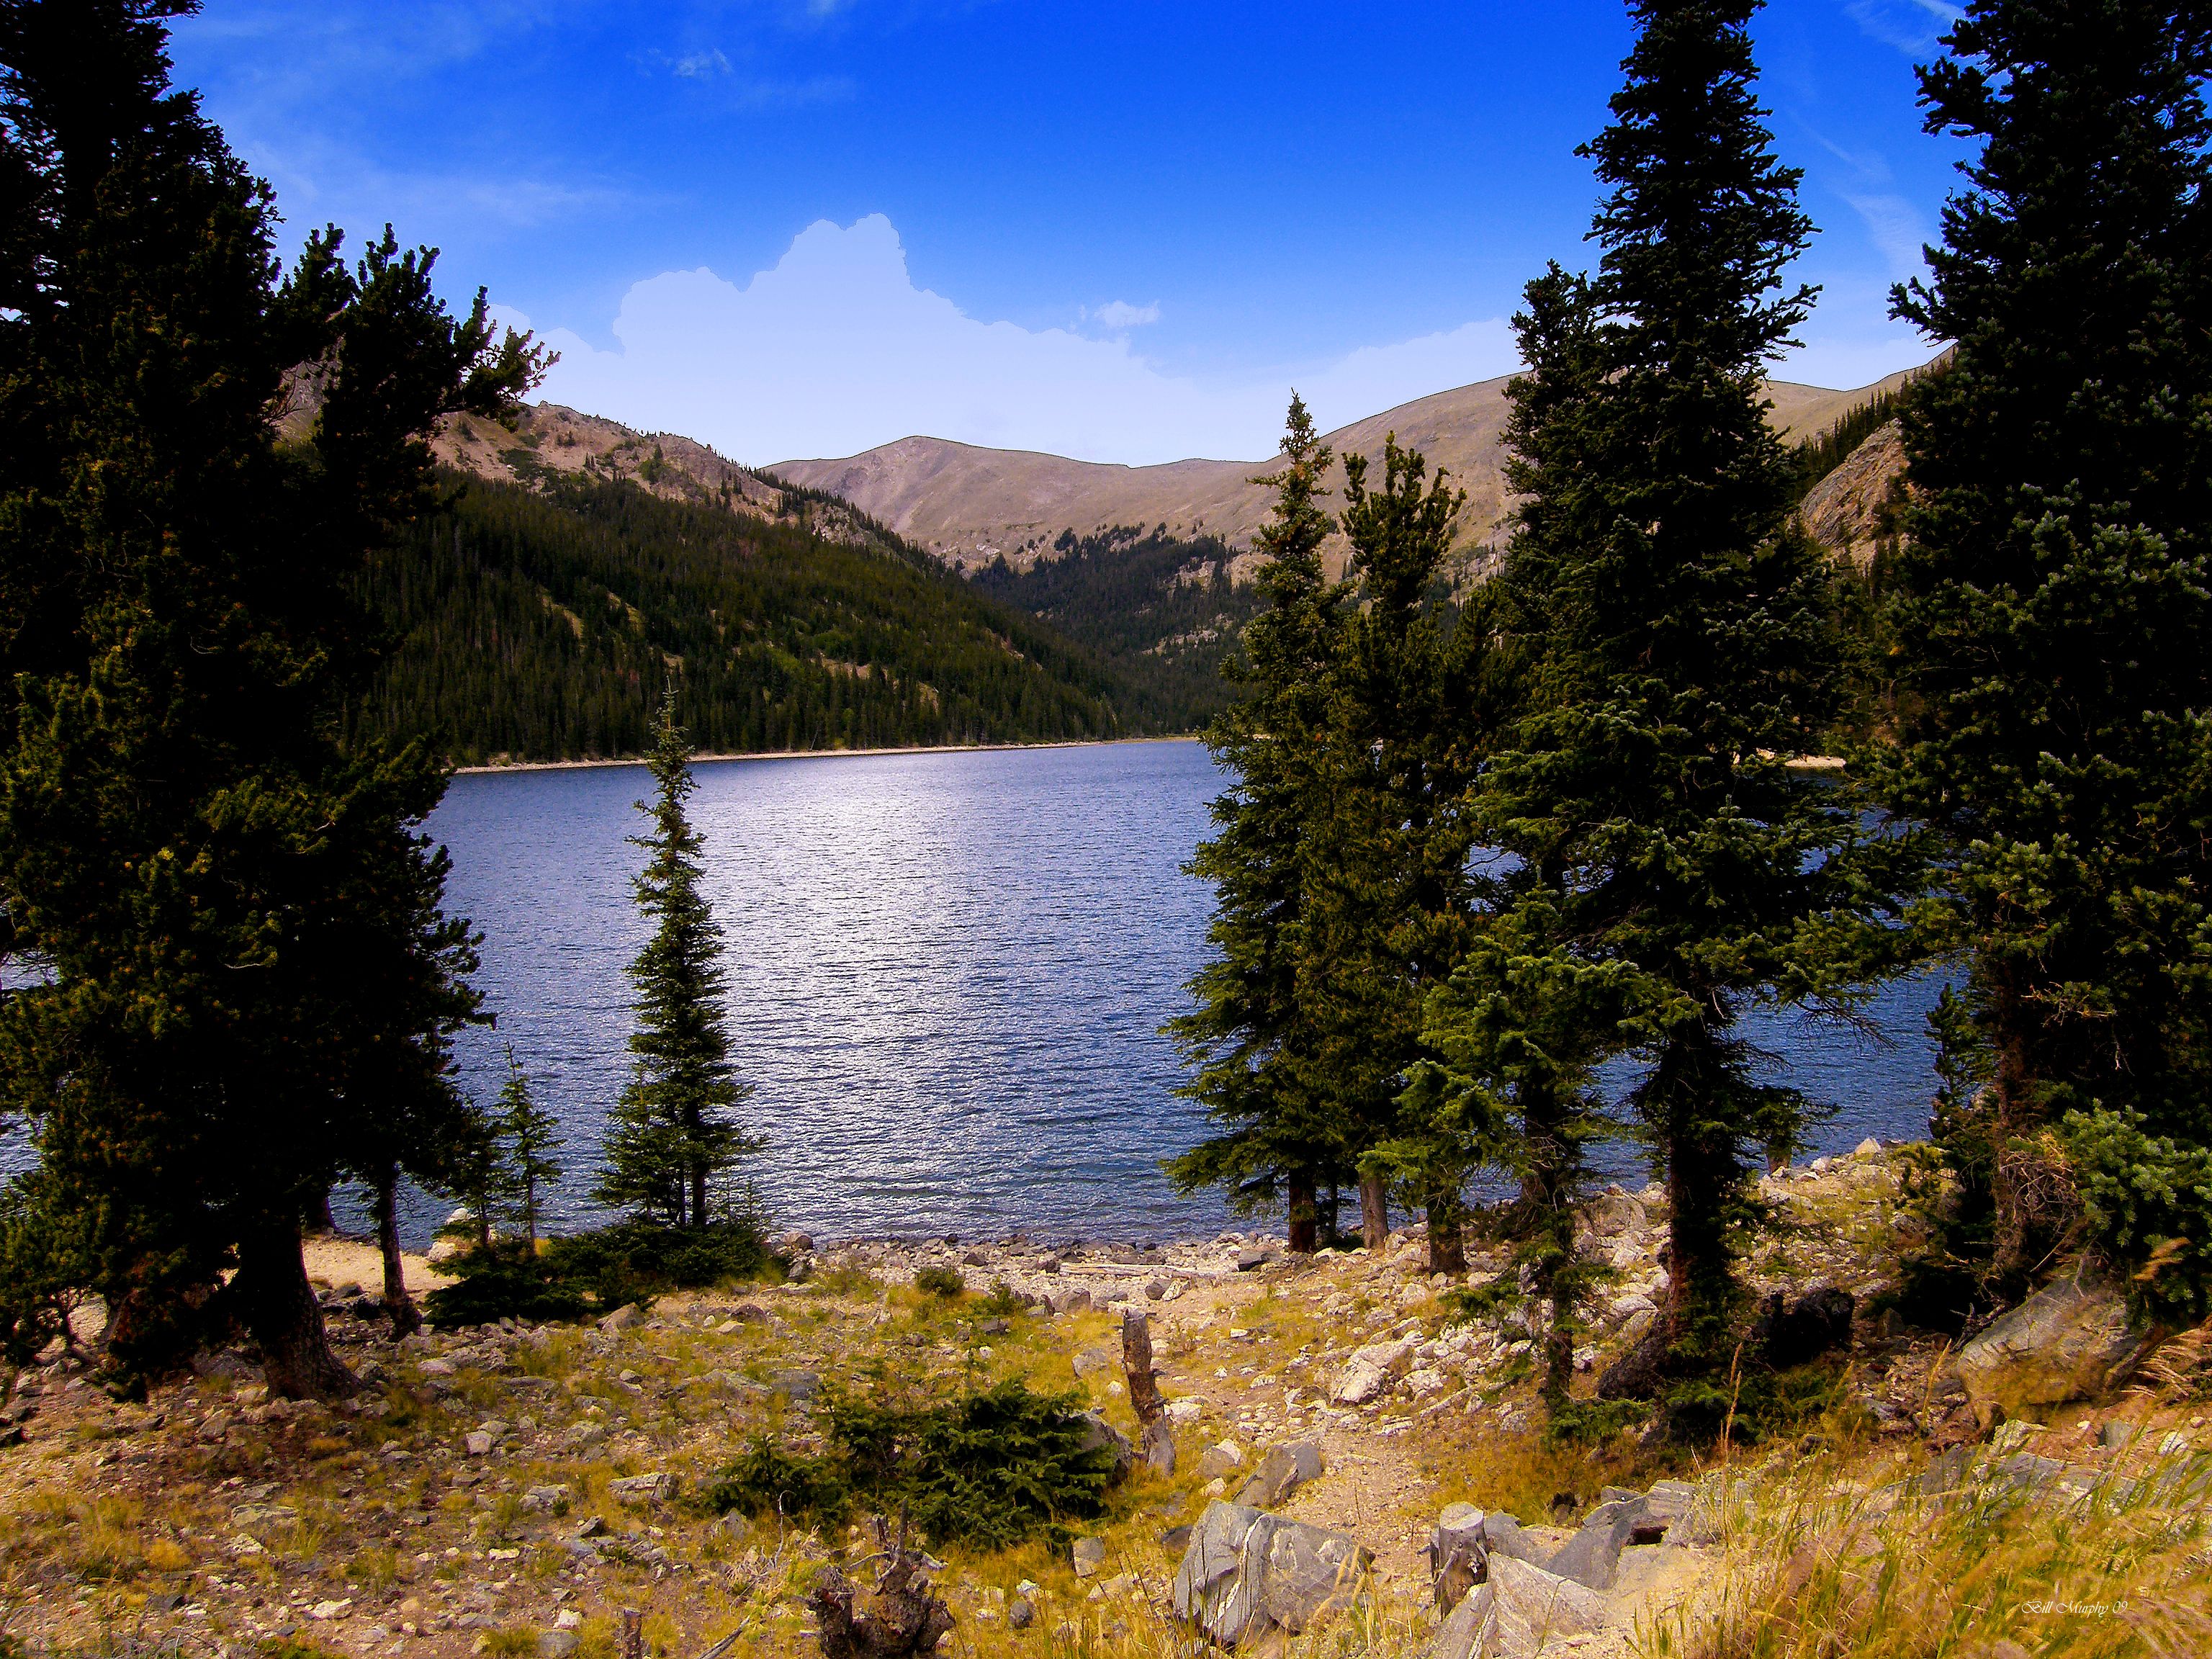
(1120, 231)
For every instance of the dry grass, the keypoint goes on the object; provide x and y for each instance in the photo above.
(1820, 1566)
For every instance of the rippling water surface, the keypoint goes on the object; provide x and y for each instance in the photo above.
(947, 973)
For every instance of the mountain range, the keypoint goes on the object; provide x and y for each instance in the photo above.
(972, 506)
(922, 592)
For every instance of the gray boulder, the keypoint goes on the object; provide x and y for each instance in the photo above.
(1281, 1471)
(2070, 1341)
(1097, 1432)
(1249, 1575)
(1158, 1448)
(1592, 1556)
(1516, 1614)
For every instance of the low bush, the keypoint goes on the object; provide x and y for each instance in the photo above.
(583, 1275)
(941, 1281)
(990, 1469)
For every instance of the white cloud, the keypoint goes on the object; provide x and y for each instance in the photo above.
(835, 351)
(1120, 313)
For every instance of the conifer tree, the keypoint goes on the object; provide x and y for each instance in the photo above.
(2052, 612)
(675, 1140)
(1276, 1144)
(1388, 897)
(530, 1135)
(1675, 644)
(239, 935)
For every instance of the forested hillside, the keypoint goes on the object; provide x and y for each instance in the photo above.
(1161, 612)
(540, 622)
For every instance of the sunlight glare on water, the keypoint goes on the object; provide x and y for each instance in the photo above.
(947, 973)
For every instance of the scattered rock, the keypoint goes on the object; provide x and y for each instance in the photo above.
(655, 1488)
(2070, 1341)
(1368, 1374)
(477, 1443)
(795, 1385)
(1614, 1212)
(1249, 1575)
(626, 1317)
(1225, 1459)
(1185, 1411)
(1159, 1446)
(1251, 1261)
(1098, 1432)
(1020, 1613)
(1089, 1554)
(556, 1643)
(1281, 1471)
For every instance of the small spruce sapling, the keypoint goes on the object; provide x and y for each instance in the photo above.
(530, 1135)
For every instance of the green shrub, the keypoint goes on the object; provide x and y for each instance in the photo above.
(941, 1281)
(506, 1282)
(1003, 1302)
(584, 1274)
(989, 1470)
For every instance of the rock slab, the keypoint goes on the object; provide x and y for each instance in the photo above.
(1281, 1471)
(2070, 1341)
(1249, 1575)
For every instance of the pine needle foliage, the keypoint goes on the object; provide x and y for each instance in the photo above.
(1675, 628)
(2054, 599)
(991, 1469)
(1276, 1143)
(1388, 897)
(675, 1143)
(247, 982)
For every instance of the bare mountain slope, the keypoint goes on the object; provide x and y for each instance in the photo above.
(970, 505)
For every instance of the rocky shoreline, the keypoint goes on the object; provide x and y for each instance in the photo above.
(514, 1490)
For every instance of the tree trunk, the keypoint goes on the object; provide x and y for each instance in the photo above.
(278, 1306)
(1374, 1213)
(405, 1320)
(699, 1196)
(1447, 1233)
(1703, 1174)
(320, 1218)
(1305, 1216)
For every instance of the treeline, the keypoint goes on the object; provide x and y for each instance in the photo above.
(1474, 864)
(543, 622)
(1163, 611)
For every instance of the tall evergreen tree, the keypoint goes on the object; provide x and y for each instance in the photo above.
(1388, 895)
(674, 1141)
(240, 937)
(1675, 624)
(1276, 1144)
(2052, 616)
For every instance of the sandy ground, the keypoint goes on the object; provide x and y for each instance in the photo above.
(332, 1262)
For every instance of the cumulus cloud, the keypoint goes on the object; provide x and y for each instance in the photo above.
(835, 351)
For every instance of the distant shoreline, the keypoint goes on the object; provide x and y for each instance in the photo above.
(821, 754)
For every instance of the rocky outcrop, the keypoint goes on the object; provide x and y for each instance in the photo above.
(1517, 1612)
(1249, 1576)
(2070, 1341)
(1846, 511)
